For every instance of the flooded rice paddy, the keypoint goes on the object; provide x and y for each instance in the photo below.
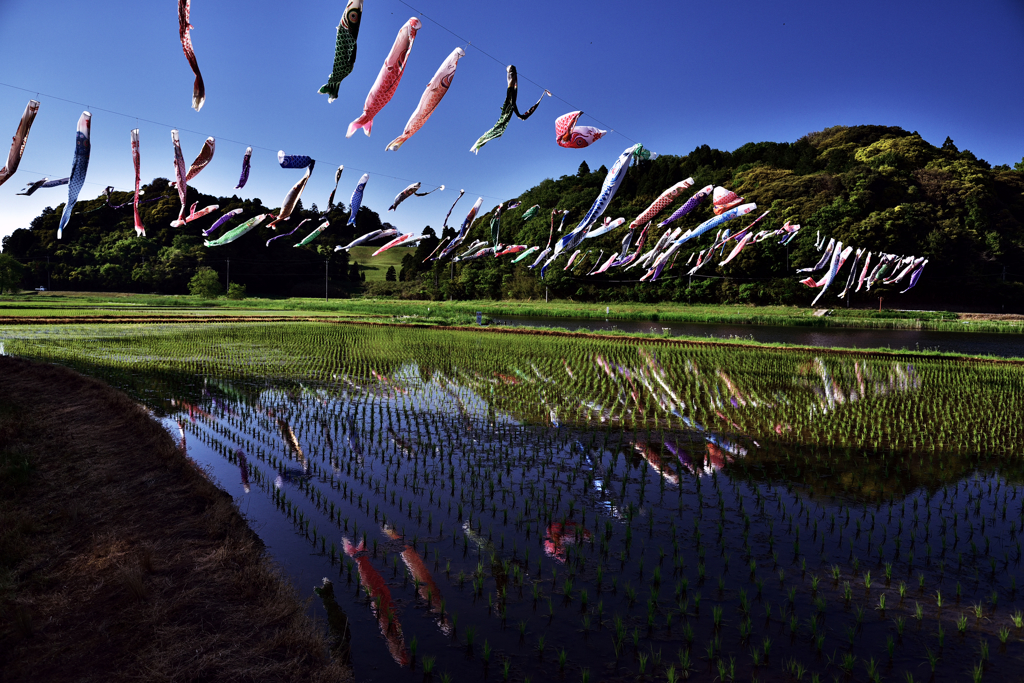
(499, 507)
(1005, 345)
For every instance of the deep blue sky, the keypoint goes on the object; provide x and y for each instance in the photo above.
(672, 75)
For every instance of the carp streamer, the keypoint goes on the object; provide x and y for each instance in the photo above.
(140, 229)
(198, 88)
(244, 178)
(79, 167)
(344, 49)
(20, 139)
(507, 109)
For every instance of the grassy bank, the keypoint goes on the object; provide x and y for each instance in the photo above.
(120, 560)
(65, 304)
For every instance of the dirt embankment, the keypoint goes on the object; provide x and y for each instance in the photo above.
(119, 560)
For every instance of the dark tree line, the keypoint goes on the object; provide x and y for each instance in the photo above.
(877, 187)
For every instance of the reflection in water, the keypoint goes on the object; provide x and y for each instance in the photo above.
(426, 586)
(381, 604)
(559, 534)
(243, 465)
(565, 490)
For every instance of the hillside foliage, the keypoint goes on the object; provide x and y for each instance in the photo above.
(877, 187)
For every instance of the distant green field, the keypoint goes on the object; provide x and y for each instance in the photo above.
(377, 267)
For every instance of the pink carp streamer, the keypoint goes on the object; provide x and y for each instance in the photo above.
(140, 229)
(388, 79)
(198, 88)
(179, 173)
(19, 142)
(724, 200)
(659, 204)
(195, 215)
(437, 88)
(568, 134)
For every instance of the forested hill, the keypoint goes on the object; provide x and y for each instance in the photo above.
(876, 187)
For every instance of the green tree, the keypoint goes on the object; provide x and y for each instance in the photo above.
(236, 291)
(10, 274)
(205, 284)
(1019, 166)
(391, 275)
(584, 170)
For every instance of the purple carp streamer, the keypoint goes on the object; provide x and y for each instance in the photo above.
(357, 199)
(688, 206)
(232, 235)
(289, 234)
(221, 221)
(179, 173)
(198, 88)
(337, 179)
(19, 141)
(436, 89)
(461, 192)
(79, 167)
(507, 109)
(140, 229)
(313, 235)
(915, 276)
(291, 199)
(293, 160)
(244, 178)
(388, 78)
(344, 49)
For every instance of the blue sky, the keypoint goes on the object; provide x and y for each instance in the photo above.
(672, 75)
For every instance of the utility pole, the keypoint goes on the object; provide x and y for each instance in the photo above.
(47, 272)
(228, 285)
(326, 262)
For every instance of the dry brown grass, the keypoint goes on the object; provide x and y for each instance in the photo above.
(120, 561)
